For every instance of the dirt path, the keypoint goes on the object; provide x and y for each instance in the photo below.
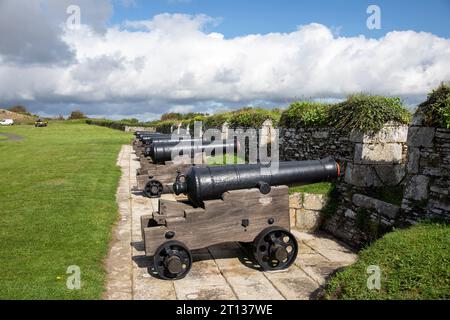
(219, 272)
(11, 137)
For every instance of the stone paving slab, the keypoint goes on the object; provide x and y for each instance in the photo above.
(223, 271)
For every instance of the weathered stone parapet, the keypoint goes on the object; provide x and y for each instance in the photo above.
(134, 129)
(362, 220)
(427, 190)
(305, 210)
(315, 143)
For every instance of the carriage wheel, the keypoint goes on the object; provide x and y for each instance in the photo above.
(173, 260)
(153, 189)
(275, 249)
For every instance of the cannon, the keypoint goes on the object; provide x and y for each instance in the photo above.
(238, 203)
(163, 151)
(144, 140)
(156, 178)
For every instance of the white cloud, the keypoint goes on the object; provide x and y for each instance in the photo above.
(170, 62)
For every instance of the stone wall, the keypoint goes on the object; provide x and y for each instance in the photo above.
(427, 191)
(379, 161)
(368, 162)
(315, 143)
(134, 129)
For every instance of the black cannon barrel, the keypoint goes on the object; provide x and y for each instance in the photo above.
(150, 139)
(149, 149)
(137, 133)
(141, 134)
(207, 183)
(162, 151)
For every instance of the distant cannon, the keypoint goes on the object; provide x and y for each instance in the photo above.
(157, 177)
(238, 203)
(163, 151)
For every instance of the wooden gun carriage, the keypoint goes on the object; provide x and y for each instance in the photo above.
(229, 204)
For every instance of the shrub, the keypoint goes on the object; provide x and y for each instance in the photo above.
(217, 120)
(191, 122)
(19, 109)
(171, 116)
(305, 114)
(436, 109)
(164, 126)
(253, 118)
(368, 113)
(76, 115)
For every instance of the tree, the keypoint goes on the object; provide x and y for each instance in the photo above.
(19, 109)
(77, 114)
(171, 116)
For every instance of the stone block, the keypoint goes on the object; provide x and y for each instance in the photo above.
(417, 188)
(381, 207)
(421, 136)
(314, 201)
(308, 220)
(378, 153)
(388, 134)
(391, 175)
(350, 214)
(295, 201)
(320, 134)
(413, 160)
(361, 176)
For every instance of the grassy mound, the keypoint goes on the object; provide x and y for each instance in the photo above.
(253, 117)
(305, 114)
(368, 113)
(57, 208)
(436, 108)
(414, 264)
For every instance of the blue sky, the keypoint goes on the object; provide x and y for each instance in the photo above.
(241, 17)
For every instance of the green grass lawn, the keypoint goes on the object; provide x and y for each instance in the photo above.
(3, 138)
(414, 264)
(57, 208)
(316, 188)
(224, 160)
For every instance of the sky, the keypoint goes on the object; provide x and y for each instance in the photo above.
(140, 59)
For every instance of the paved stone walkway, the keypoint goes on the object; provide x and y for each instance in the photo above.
(219, 272)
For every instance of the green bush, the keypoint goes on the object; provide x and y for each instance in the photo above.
(253, 118)
(305, 114)
(165, 126)
(217, 120)
(368, 113)
(77, 114)
(191, 122)
(436, 108)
